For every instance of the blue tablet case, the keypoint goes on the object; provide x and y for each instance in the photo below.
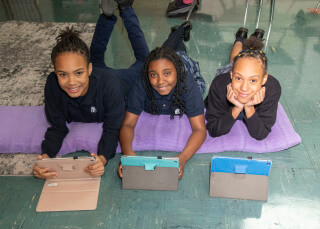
(240, 178)
(150, 173)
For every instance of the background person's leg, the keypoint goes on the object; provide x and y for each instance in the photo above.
(138, 43)
(100, 39)
(175, 40)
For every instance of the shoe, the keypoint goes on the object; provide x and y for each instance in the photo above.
(123, 4)
(258, 33)
(177, 8)
(242, 33)
(187, 28)
(174, 28)
(108, 7)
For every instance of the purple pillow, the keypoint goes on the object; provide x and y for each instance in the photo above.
(22, 130)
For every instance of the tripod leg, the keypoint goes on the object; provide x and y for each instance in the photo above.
(259, 13)
(245, 14)
(191, 9)
(270, 25)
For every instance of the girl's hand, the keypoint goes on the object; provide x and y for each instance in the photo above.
(232, 98)
(181, 167)
(43, 173)
(257, 98)
(120, 165)
(97, 169)
(182, 163)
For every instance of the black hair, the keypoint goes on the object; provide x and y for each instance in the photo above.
(69, 41)
(251, 47)
(171, 55)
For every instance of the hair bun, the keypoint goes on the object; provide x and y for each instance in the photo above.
(252, 43)
(68, 34)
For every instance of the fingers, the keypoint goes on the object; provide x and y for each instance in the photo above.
(180, 172)
(120, 170)
(96, 169)
(259, 96)
(43, 173)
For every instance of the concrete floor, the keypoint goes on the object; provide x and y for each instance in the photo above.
(294, 184)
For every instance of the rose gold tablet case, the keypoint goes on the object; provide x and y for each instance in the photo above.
(73, 189)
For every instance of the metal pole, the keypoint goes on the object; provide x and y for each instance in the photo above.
(316, 10)
(270, 24)
(259, 13)
(245, 14)
(191, 9)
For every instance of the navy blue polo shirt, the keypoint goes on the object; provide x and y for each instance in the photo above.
(138, 101)
(104, 102)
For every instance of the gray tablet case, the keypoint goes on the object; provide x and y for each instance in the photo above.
(239, 178)
(150, 173)
(73, 189)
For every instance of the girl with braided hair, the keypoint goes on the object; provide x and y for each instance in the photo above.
(83, 88)
(170, 84)
(243, 91)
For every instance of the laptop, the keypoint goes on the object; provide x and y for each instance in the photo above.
(73, 189)
(150, 173)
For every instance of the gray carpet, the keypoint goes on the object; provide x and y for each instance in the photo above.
(25, 64)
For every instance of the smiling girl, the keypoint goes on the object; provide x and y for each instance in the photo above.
(83, 89)
(171, 84)
(245, 93)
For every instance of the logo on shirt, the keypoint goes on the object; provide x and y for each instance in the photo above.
(177, 111)
(93, 110)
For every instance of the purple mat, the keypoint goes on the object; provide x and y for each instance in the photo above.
(22, 129)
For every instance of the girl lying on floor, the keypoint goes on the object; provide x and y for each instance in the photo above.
(83, 89)
(243, 90)
(170, 84)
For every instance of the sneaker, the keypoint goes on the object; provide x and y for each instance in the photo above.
(187, 26)
(178, 8)
(258, 33)
(108, 7)
(174, 28)
(242, 33)
(123, 4)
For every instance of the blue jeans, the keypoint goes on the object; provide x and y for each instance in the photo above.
(101, 38)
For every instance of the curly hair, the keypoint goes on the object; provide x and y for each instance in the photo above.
(69, 41)
(251, 47)
(176, 102)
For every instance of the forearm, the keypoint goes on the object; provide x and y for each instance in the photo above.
(249, 110)
(220, 126)
(53, 140)
(195, 140)
(257, 128)
(103, 159)
(126, 139)
(236, 111)
(108, 144)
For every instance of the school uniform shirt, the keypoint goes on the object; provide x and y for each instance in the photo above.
(104, 102)
(138, 101)
(219, 109)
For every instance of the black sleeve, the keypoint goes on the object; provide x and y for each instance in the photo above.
(136, 98)
(193, 100)
(219, 112)
(54, 112)
(260, 123)
(114, 111)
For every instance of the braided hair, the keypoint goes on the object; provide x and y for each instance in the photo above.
(69, 41)
(251, 48)
(169, 54)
